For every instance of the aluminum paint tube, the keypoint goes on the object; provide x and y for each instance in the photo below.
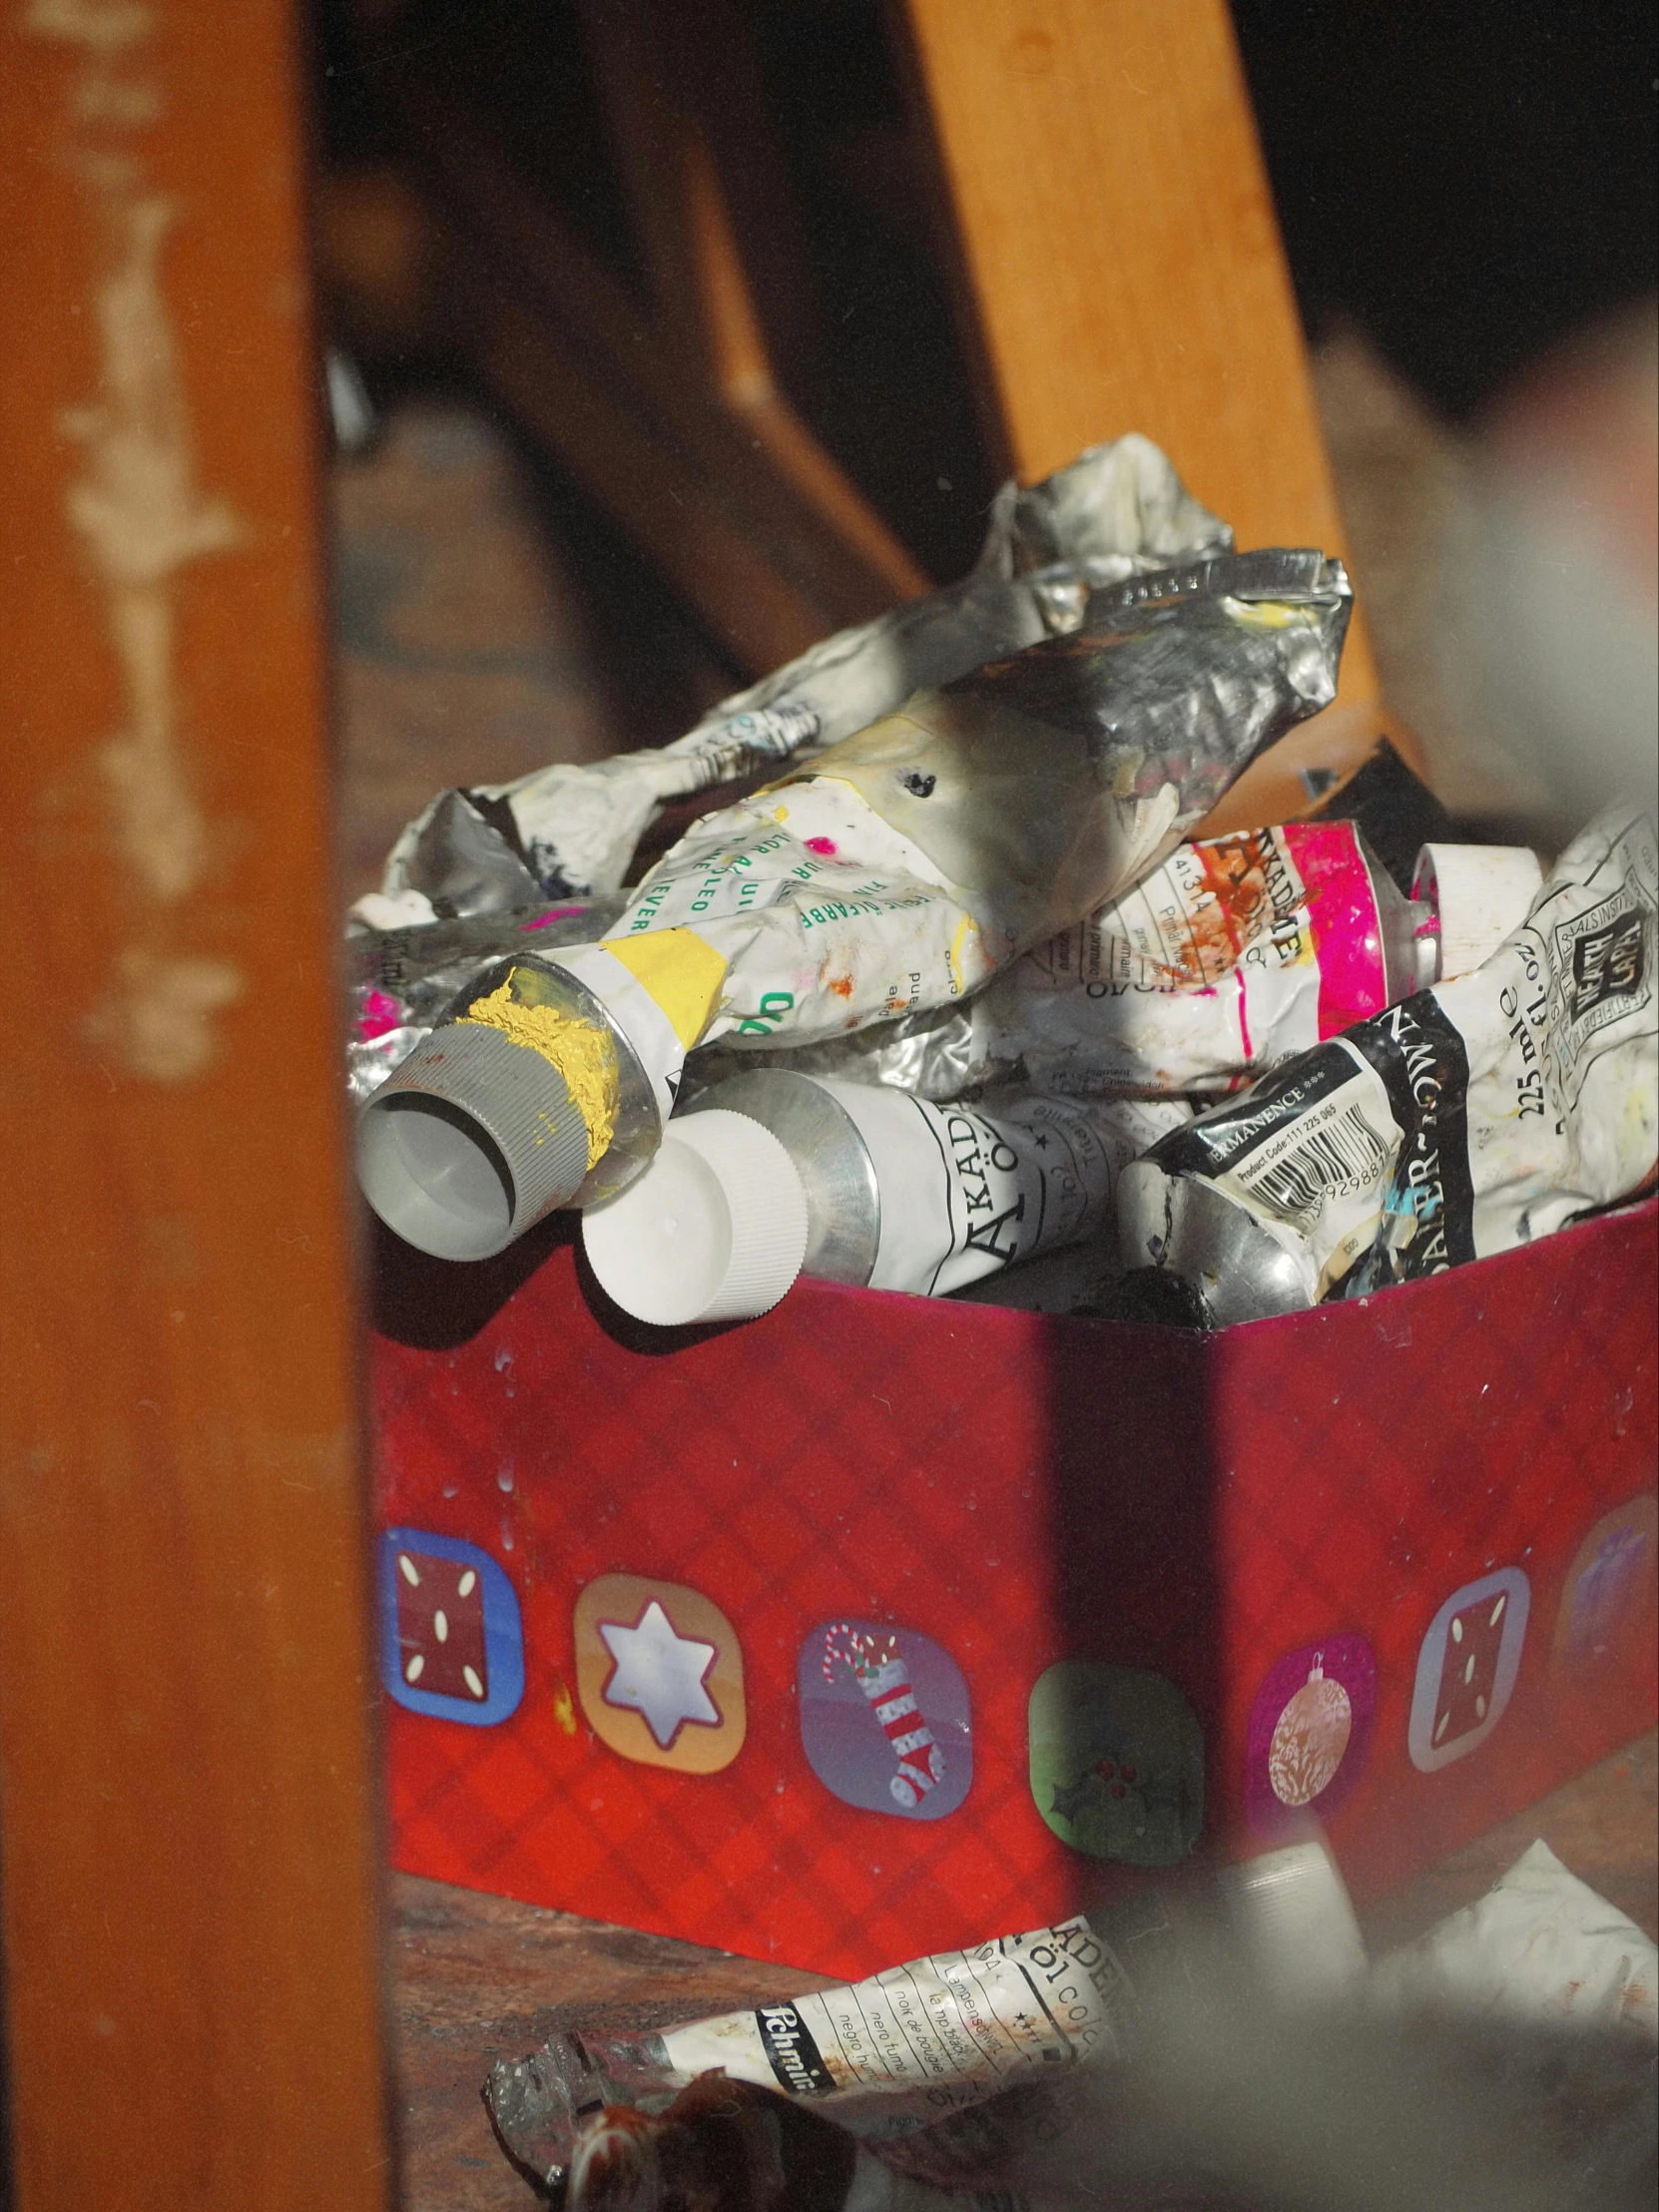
(1472, 1117)
(901, 869)
(569, 831)
(891, 1193)
(546, 1083)
(886, 2056)
(1241, 951)
(909, 2062)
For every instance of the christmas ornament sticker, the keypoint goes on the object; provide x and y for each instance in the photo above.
(452, 1640)
(1310, 1730)
(885, 1719)
(1466, 1668)
(1607, 1600)
(1117, 1763)
(660, 1674)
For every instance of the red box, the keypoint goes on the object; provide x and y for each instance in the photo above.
(1393, 1561)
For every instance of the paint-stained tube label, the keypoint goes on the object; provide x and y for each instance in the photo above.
(650, 1030)
(1022, 2005)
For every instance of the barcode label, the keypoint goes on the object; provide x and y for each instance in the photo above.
(1347, 1155)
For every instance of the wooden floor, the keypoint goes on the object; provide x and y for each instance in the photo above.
(477, 1978)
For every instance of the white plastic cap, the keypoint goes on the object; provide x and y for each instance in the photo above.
(713, 1230)
(1482, 892)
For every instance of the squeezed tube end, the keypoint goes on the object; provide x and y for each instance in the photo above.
(713, 1230)
(468, 1143)
(1177, 1223)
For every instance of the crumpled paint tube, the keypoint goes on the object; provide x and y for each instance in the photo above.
(1237, 954)
(898, 870)
(569, 831)
(886, 2056)
(1478, 1115)
(903, 868)
(952, 2070)
(1539, 1947)
(1240, 952)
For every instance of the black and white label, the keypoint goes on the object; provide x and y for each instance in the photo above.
(794, 2057)
(1308, 1152)
(1428, 1210)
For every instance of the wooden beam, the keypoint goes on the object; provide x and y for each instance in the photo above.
(686, 439)
(187, 1799)
(1119, 254)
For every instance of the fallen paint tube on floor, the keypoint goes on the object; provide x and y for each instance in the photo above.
(903, 2059)
(1253, 2055)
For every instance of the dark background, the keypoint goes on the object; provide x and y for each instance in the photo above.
(1466, 182)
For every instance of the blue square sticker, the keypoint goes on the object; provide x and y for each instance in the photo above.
(452, 1638)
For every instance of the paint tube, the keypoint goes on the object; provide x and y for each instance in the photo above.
(903, 868)
(774, 1174)
(1241, 951)
(1474, 1116)
(570, 830)
(897, 871)
(1237, 954)
(545, 1084)
(955, 2070)
(401, 980)
(886, 2057)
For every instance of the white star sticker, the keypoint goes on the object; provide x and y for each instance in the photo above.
(660, 1674)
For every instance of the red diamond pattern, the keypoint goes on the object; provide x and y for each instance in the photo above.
(1021, 1490)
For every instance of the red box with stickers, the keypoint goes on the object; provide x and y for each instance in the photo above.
(881, 1623)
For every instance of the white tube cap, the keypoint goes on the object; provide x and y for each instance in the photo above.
(713, 1230)
(1482, 893)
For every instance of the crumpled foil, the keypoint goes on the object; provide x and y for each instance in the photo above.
(569, 831)
(935, 1053)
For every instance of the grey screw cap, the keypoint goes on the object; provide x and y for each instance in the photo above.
(469, 1142)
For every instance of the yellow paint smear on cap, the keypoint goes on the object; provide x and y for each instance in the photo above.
(681, 973)
(584, 1055)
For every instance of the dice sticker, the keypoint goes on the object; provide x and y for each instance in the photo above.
(1309, 1729)
(1117, 1763)
(660, 1674)
(1466, 1668)
(885, 1720)
(451, 1641)
(1608, 1597)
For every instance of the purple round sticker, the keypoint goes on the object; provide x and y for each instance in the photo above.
(885, 1720)
(1310, 1730)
